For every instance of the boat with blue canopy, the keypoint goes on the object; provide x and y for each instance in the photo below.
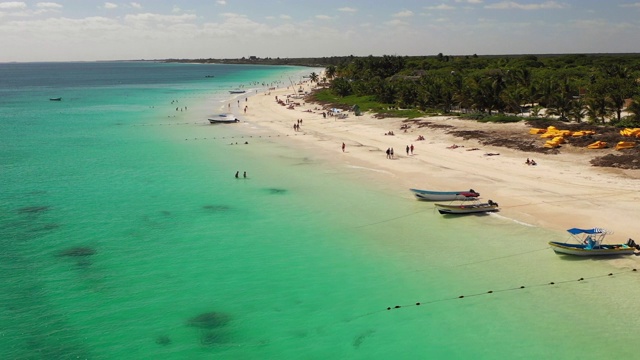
(590, 242)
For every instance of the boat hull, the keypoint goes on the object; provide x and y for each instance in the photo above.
(214, 121)
(581, 250)
(428, 195)
(223, 119)
(466, 209)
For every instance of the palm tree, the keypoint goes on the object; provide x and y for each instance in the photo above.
(513, 98)
(634, 108)
(597, 109)
(313, 77)
(577, 111)
(331, 71)
(561, 100)
(618, 91)
(341, 86)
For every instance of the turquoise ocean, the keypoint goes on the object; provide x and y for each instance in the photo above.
(124, 235)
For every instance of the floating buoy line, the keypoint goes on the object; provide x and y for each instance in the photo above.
(241, 137)
(490, 292)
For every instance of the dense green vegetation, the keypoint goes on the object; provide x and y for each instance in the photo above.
(593, 88)
(365, 103)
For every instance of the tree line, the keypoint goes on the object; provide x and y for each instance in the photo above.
(594, 88)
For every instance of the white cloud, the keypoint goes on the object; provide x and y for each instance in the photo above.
(515, 5)
(470, 1)
(48, 5)
(136, 5)
(404, 13)
(347, 9)
(221, 2)
(323, 17)
(634, 5)
(396, 22)
(441, 7)
(285, 17)
(232, 15)
(13, 5)
(158, 18)
(110, 5)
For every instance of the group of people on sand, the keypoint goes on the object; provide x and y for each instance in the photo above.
(296, 126)
(409, 149)
(390, 153)
(244, 175)
(389, 133)
(531, 162)
(420, 137)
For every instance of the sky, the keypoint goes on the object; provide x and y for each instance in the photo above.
(87, 30)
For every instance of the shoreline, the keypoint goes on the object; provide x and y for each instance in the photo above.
(560, 192)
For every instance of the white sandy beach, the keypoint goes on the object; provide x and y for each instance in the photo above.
(561, 192)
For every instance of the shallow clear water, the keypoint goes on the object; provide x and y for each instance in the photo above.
(121, 222)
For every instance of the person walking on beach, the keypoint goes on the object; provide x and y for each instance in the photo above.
(237, 174)
(411, 149)
(244, 175)
(388, 153)
(343, 146)
(392, 153)
(407, 150)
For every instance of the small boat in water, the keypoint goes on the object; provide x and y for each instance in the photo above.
(429, 195)
(474, 207)
(237, 91)
(590, 242)
(55, 99)
(223, 119)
